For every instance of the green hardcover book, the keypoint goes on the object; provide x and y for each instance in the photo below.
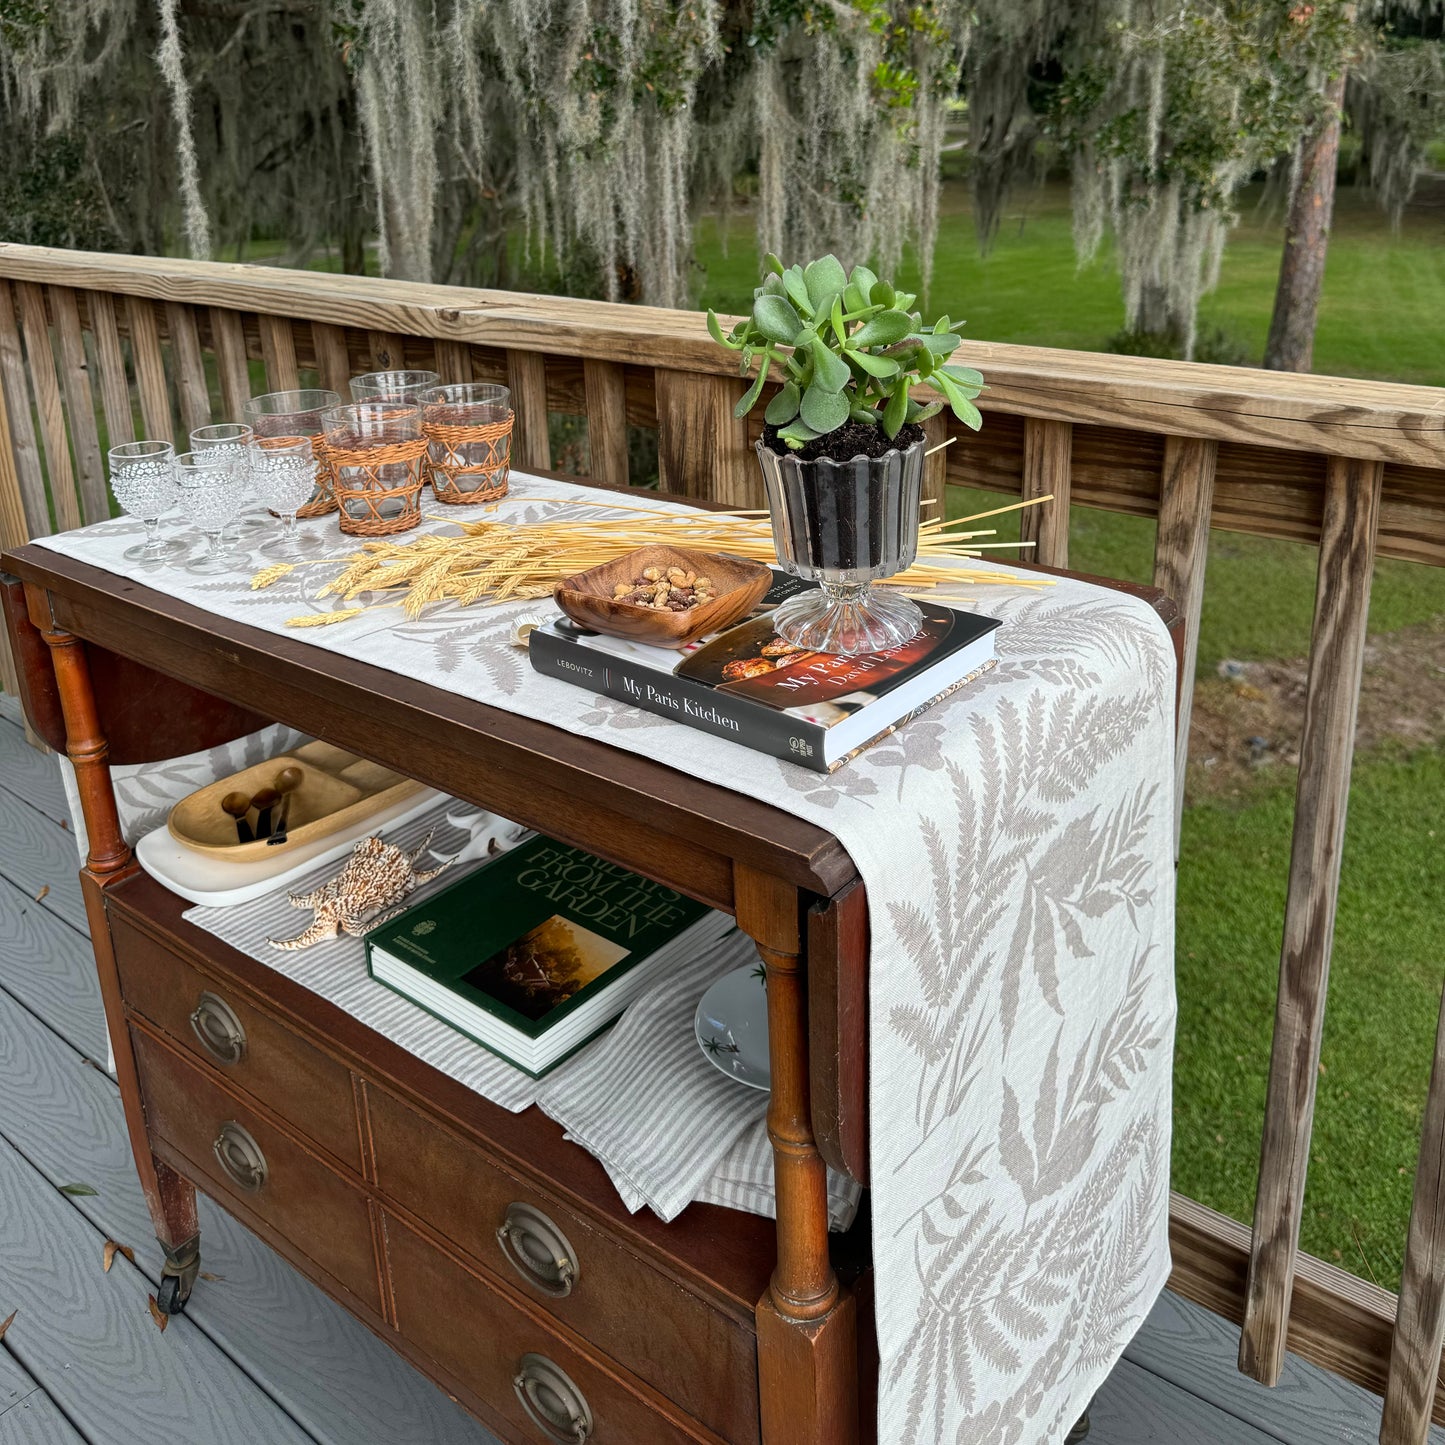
(535, 953)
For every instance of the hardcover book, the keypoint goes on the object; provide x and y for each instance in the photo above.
(747, 684)
(538, 951)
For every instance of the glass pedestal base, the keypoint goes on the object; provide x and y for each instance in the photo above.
(848, 619)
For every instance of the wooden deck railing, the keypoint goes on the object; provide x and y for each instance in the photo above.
(155, 348)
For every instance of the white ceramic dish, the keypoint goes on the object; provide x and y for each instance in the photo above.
(218, 882)
(731, 1026)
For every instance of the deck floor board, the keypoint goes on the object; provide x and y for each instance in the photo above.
(282, 1362)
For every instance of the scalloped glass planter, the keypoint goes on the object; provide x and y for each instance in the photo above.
(845, 525)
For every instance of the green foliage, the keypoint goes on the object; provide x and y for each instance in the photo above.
(1212, 344)
(49, 197)
(849, 347)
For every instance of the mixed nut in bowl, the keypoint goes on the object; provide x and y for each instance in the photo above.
(664, 596)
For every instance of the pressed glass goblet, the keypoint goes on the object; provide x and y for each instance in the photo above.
(297, 414)
(210, 497)
(283, 473)
(234, 437)
(142, 476)
(409, 386)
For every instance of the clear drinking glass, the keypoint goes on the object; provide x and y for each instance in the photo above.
(408, 386)
(369, 426)
(283, 475)
(296, 414)
(143, 478)
(468, 427)
(211, 493)
(234, 437)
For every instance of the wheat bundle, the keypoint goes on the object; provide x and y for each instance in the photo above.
(497, 561)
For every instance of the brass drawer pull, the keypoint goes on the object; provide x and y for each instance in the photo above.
(241, 1157)
(215, 1024)
(538, 1251)
(556, 1406)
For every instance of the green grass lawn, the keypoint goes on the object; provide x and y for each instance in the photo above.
(1384, 293)
(1380, 1027)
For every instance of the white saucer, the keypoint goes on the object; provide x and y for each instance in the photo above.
(218, 883)
(731, 1026)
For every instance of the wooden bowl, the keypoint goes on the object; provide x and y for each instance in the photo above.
(587, 597)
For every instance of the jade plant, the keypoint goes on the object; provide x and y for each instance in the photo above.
(849, 348)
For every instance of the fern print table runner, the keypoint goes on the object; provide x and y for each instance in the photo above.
(1016, 843)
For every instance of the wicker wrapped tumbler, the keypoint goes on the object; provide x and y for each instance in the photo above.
(376, 449)
(468, 428)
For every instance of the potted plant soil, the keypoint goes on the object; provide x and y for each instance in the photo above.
(842, 446)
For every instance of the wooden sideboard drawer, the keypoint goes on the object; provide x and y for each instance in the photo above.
(697, 1353)
(243, 1158)
(486, 1341)
(260, 1055)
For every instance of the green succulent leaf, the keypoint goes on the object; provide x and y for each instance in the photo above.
(904, 301)
(829, 369)
(823, 277)
(772, 286)
(922, 413)
(756, 389)
(874, 365)
(714, 329)
(863, 279)
(773, 264)
(896, 412)
(941, 325)
(784, 406)
(776, 319)
(884, 329)
(882, 294)
(798, 434)
(966, 377)
(824, 411)
(962, 407)
(797, 290)
(840, 330)
(923, 361)
(944, 344)
(853, 298)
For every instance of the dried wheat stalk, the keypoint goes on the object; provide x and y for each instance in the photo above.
(496, 561)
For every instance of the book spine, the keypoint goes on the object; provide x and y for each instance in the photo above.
(761, 728)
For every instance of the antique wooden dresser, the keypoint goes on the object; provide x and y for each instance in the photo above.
(484, 1247)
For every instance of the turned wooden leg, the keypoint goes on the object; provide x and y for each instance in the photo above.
(807, 1325)
(170, 1199)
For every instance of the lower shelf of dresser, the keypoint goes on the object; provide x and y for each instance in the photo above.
(385, 1182)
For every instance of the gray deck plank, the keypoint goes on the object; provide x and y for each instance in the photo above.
(89, 1341)
(48, 967)
(330, 1372)
(37, 1421)
(1196, 1350)
(1137, 1408)
(15, 1384)
(37, 853)
(31, 774)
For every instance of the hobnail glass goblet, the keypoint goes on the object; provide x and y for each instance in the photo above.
(283, 474)
(234, 437)
(211, 493)
(142, 476)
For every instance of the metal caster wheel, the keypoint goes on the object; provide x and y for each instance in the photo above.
(1080, 1430)
(178, 1277)
(169, 1296)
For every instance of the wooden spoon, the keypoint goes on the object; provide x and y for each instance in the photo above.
(238, 805)
(263, 802)
(285, 782)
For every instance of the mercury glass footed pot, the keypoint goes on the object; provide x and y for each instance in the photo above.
(845, 525)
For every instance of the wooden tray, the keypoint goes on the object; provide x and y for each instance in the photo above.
(338, 790)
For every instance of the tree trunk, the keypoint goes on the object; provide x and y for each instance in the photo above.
(1307, 232)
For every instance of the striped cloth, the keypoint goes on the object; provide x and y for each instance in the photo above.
(668, 1126)
(678, 1131)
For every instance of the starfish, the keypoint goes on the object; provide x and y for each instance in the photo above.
(365, 894)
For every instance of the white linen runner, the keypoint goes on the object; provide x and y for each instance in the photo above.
(1016, 843)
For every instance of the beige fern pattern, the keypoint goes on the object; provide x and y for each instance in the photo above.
(1017, 847)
